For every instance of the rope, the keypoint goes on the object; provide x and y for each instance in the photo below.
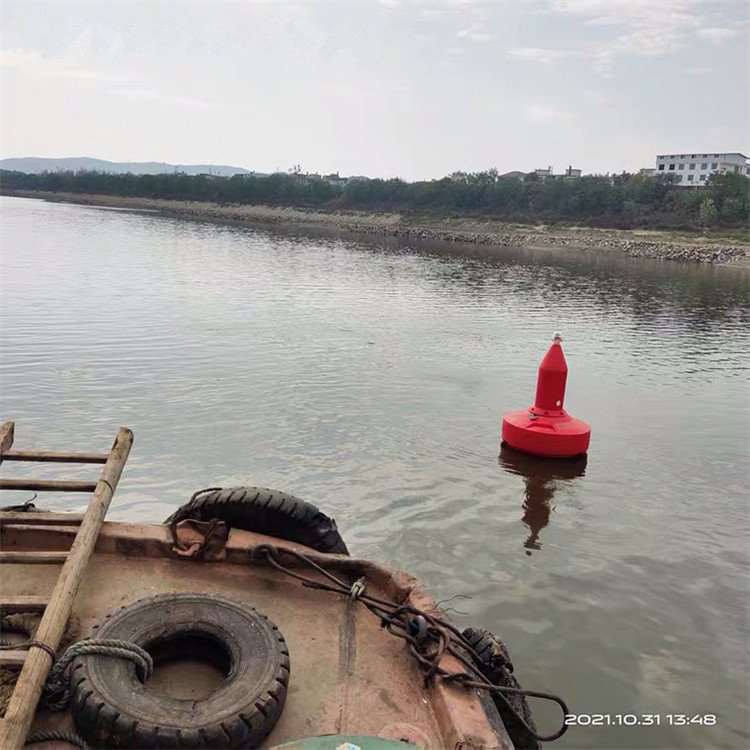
(28, 505)
(358, 588)
(27, 623)
(105, 481)
(21, 622)
(186, 511)
(429, 637)
(52, 735)
(42, 645)
(56, 693)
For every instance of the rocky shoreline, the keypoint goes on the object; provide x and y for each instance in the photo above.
(487, 232)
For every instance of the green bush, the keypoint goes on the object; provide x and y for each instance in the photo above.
(707, 212)
(623, 200)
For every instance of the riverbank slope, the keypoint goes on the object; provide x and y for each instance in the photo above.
(481, 231)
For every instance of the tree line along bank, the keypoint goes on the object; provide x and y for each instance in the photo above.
(618, 201)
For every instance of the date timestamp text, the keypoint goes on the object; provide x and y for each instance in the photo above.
(640, 720)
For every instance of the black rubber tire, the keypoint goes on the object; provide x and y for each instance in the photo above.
(266, 512)
(112, 708)
(496, 666)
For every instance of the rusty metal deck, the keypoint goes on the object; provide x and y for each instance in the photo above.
(348, 675)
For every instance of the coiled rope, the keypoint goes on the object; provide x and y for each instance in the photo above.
(56, 736)
(56, 692)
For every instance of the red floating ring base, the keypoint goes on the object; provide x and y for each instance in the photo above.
(559, 436)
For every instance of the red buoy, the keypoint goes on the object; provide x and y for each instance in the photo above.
(546, 429)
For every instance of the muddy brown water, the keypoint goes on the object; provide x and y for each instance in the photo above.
(370, 377)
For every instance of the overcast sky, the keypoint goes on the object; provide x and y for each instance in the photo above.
(410, 89)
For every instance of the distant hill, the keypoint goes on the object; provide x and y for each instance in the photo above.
(35, 165)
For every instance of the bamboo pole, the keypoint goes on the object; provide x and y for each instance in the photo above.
(23, 701)
(33, 557)
(55, 457)
(14, 658)
(6, 437)
(23, 603)
(48, 485)
(41, 518)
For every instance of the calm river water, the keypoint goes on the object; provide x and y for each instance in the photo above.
(370, 378)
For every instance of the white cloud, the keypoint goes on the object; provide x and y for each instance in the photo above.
(170, 100)
(65, 67)
(475, 35)
(647, 42)
(432, 12)
(546, 113)
(637, 13)
(476, 32)
(538, 54)
(699, 71)
(646, 28)
(348, 84)
(717, 34)
(70, 67)
(390, 3)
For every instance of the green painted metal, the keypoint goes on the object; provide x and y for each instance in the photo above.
(345, 742)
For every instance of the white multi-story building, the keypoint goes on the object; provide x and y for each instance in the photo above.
(543, 174)
(694, 169)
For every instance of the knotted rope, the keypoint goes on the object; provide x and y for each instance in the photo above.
(429, 637)
(55, 736)
(56, 693)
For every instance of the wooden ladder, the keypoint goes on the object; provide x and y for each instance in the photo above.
(36, 662)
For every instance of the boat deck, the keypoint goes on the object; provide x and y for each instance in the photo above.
(348, 675)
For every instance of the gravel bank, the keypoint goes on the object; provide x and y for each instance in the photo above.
(643, 244)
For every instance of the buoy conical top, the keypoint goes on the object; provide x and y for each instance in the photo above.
(546, 429)
(551, 380)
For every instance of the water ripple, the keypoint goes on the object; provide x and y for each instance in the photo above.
(370, 378)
